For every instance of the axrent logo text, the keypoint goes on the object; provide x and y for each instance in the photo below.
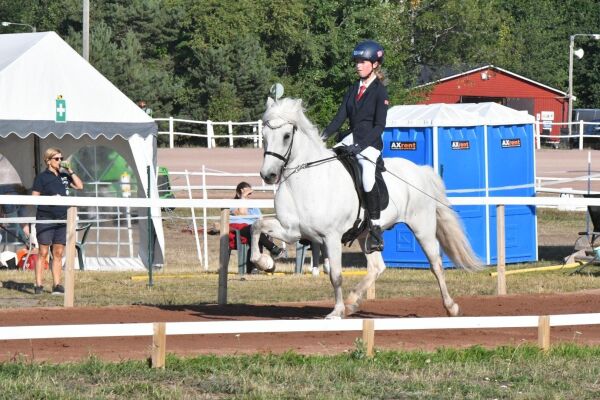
(460, 145)
(507, 143)
(403, 145)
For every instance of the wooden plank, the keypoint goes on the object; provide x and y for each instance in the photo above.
(368, 333)
(69, 279)
(544, 332)
(371, 292)
(223, 257)
(500, 232)
(159, 345)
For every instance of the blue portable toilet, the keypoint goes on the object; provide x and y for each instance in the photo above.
(479, 150)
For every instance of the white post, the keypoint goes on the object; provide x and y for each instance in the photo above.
(570, 94)
(581, 134)
(260, 136)
(254, 136)
(204, 221)
(230, 133)
(210, 135)
(538, 141)
(195, 226)
(171, 131)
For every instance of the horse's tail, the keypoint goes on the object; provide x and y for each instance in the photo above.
(450, 232)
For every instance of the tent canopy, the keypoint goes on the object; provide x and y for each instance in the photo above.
(52, 97)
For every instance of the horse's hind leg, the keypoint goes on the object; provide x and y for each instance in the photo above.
(431, 248)
(375, 267)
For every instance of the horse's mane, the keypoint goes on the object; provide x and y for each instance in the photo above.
(291, 110)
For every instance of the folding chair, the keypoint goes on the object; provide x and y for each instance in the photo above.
(80, 245)
(241, 248)
(587, 242)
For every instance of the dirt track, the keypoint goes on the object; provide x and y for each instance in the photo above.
(305, 343)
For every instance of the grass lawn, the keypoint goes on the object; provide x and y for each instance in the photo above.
(565, 372)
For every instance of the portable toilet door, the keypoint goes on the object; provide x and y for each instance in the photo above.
(461, 164)
(512, 168)
(401, 248)
(511, 172)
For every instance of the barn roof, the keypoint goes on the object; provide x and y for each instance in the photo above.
(504, 71)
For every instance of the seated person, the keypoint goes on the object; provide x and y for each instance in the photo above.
(17, 231)
(242, 218)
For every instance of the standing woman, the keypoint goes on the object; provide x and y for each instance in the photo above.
(52, 182)
(365, 106)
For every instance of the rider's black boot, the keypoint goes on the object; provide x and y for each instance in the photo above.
(375, 236)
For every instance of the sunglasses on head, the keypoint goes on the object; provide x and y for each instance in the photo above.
(57, 158)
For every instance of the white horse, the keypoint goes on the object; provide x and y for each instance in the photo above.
(317, 201)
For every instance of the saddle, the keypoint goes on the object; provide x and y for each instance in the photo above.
(353, 167)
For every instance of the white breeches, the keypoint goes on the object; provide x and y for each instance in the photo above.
(367, 160)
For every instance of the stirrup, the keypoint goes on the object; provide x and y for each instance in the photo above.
(374, 240)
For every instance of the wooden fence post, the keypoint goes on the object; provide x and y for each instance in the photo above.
(369, 336)
(70, 257)
(159, 345)
(223, 256)
(501, 246)
(371, 291)
(544, 332)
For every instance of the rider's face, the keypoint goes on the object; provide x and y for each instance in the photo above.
(364, 68)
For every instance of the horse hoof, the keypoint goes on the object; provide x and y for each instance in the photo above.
(265, 263)
(315, 272)
(454, 311)
(333, 317)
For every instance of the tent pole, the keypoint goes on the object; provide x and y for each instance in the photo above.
(150, 280)
(36, 155)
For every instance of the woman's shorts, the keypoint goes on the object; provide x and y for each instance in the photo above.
(48, 234)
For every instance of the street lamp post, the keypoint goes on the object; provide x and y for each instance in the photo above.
(579, 54)
(6, 23)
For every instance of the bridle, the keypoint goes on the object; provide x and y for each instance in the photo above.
(286, 157)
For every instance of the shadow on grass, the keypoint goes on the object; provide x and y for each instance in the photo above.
(18, 286)
(554, 253)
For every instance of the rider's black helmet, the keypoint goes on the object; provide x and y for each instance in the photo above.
(368, 50)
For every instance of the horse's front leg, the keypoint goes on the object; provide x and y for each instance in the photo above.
(375, 267)
(334, 252)
(273, 228)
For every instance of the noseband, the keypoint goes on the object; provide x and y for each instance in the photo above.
(286, 157)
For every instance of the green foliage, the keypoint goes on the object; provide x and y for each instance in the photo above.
(216, 59)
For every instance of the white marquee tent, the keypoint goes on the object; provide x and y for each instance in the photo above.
(52, 97)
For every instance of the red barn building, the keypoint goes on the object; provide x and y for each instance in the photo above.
(490, 83)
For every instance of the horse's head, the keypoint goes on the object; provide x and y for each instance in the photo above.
(281, 122)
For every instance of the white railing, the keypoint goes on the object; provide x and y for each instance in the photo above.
(580, 130)
(160, 330)
(211, 138)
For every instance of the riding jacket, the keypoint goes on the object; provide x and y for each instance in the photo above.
(366, 116)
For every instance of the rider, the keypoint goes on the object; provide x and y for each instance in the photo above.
(365, 105)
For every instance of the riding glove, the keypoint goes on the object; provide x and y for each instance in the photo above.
(353, 149)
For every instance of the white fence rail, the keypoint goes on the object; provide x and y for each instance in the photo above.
(211, 138)
(580, 133)
(159, 331)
